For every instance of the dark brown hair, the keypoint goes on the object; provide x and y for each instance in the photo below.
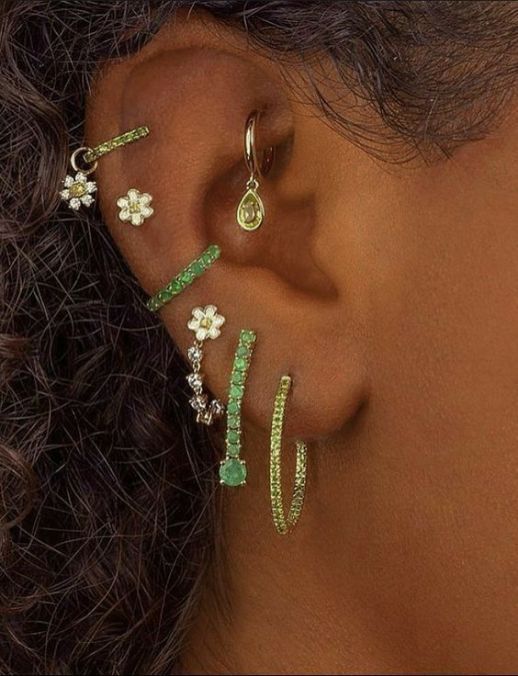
(106, 485)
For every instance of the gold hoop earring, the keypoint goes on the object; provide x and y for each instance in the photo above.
(250, 211)
(282, 523)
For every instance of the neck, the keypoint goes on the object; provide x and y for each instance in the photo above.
(288, 604)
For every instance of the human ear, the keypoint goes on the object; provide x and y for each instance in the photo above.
(194, 85)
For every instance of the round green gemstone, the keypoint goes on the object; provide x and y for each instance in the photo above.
(197, 267)
(242, 351)
(234, 422)
(233, 450)
(238, 378)
(207, 259)
(164, 296)
(236, 391)
(186, 277)
(240, 363)
(233, 437)
(248, 337)
(233, 407)
(174, 287)
(232, 472)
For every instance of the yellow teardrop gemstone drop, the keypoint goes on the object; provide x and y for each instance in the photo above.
(250, 212)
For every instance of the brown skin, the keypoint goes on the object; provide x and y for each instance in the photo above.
(389, 293)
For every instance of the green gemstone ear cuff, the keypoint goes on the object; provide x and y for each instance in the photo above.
(232, 470)
(185, 278)
(77, 190)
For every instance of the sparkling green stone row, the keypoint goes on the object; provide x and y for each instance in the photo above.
(238, 378)
(114, 143)
(185, 278)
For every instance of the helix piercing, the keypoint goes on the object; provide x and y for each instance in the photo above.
(77, 189)
(282, 523)
(206, 324)
(250, 211)
(232, 470)
(185, 278)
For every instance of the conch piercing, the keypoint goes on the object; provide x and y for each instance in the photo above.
(232, 470)
(282, 523)
(134, 207)
(185, 278)
(77, 189)
(250, 211)
(206, 324)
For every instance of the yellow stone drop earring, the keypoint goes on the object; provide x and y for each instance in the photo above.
(250, 211)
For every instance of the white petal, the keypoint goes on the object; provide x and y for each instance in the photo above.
(65, 194)
(198, 313)
(218, 321)
(214, 332)
(145, 199)
(87, 200)
(123, 202)
(80, 177)
(124, 215)
(68, 181)
(137, 219)
(75, 203)
(147, 211)
(193, 324)
(201, 334)
(91, 186)
(210, 310)
(133, 194)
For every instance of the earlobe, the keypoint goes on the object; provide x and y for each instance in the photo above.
(196, 94)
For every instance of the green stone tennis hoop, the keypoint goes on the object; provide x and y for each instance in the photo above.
(232, 470)
(185, 278)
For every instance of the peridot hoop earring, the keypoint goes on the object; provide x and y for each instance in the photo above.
(281, 522)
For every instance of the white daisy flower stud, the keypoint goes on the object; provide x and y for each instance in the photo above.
(134, 207)
(77, 191)
(206, 323)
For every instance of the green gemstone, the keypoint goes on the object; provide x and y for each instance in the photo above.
(233, 407)
(197, 267)
(164, 296)
(248, 337)
(242, 351)
(238, 378)
(236, 391)
(207, 259)
(232, 472)
(234, 422)
(233, 450)
(186, 277)
(233, 437)
(174, 287)
(240, 363)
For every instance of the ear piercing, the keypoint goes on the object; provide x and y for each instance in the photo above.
(250, 211)
(282, 523)
(185, 278)
(77, 189)
(206, 324)
(134, 207)
(232, 470)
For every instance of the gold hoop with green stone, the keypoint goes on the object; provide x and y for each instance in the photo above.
(185, 278)
(284, 523)
(232, 470)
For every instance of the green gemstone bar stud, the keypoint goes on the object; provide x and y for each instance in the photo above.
(185, 278)
(232, 470)
(106, 147)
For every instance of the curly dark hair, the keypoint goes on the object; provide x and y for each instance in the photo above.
(107, 488)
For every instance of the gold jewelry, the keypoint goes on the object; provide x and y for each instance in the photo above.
(282, 523)
(250, 211)
(134, 207)
(77, 190)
